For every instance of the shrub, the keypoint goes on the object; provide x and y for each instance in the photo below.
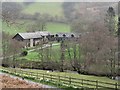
(24, 53)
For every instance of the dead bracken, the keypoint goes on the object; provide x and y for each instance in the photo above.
(9, 82)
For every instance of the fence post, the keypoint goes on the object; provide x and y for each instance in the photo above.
(69, 80)
(15, 71)
(37, 75)
(58, 83)
(21, 72)
(59, 78)
(51, 77)
(30, 74)
(82, 83)
(116, 86)
(43, 78)
(96, 84)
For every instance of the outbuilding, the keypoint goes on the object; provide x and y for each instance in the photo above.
(32, 38)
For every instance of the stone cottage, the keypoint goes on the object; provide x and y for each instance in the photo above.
(32, 38)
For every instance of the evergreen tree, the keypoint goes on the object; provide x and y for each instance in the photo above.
(110, 20)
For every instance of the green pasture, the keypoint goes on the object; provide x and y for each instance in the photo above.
(58, 27)
(50, 26)
(12, 29)
(89, 79)
(51, 8)
(76, 75)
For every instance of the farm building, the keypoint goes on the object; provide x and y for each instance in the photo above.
(66, 36)
(35, 38)
(32, 38)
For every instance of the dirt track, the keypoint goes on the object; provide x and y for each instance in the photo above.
(8, 82)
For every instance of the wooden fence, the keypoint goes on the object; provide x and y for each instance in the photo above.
(63, 80)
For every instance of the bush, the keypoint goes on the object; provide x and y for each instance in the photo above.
(24, 53)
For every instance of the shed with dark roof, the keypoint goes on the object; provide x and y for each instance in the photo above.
(66, 36)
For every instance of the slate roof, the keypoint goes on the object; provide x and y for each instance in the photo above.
(68, 34)
(31, 35)
(39, 34)
(60, 34)
(43, 33)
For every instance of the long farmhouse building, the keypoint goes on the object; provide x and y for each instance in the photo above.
(35, 38)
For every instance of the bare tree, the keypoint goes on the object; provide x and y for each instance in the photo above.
(11, 48)
(62, 57)
(10, 12)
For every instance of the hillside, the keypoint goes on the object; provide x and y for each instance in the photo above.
(12, 30)
(58, 27)
(53, 9)
(51, 27)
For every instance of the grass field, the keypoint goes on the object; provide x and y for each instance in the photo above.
(80, 76)
(58, 27)
(76, 75)
(51, 8)
(12, 30)
(51, 27)
(65, 75)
